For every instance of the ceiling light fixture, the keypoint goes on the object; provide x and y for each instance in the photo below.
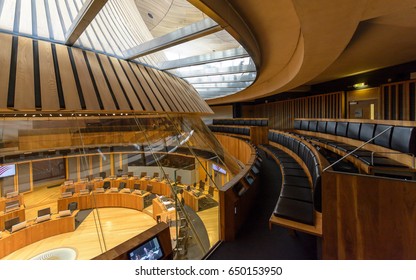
(360, 85)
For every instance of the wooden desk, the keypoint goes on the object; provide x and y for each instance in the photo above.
(108, 199)
(10, 215)
(34, 232)
(159, 209)
(76, 186)
(192, 200)
(3, 201)
(158, 187)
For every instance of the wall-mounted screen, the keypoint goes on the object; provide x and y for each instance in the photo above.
(218, 169)
(150, 250)
(7, 170)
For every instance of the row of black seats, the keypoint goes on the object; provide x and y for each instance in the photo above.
(399, 138)
(246, 122)
(298, 199)
(230, 129)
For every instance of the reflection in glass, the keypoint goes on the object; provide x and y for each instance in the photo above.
(120, 176)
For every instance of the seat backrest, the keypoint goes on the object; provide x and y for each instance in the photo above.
(322, 126)
(342, 128)
(143, 174)
(122, 185)
(403, 139)
(155, 174)
(136, 186)
(149, 188)
(313, 126)
(73, 206)
(354, 130)
(305, 125)
(331, 128)
(106, 185)
(270, 136)
(367, 131)
(385, 138)
(297, 124)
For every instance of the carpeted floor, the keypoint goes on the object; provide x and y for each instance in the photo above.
(255, 241)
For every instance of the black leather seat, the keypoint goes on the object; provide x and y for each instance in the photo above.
(384, 138)
(403, 139)
(297, 193)
(295, 210)
(297, 124)
(304, 125)
(294, 172)
(296, 181)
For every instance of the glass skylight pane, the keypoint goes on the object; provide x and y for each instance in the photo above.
(42, 23)
(25, 19)
(58, 33)
(7, 15)
(205, 45)
(164, 16)
(65, 13)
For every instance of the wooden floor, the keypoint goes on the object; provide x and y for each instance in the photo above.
(118, 225)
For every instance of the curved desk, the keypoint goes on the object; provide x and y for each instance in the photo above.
(158, 187)
(34, 232)
(107, 199)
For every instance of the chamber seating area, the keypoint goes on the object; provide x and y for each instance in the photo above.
(253, 129)
(300, 195)
(390, 146)
(240, 131)
(241, 122)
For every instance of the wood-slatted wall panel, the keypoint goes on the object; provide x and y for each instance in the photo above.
(38, 75)
(281, 114)
(398, 101)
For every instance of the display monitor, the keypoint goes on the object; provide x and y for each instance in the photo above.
(149, 250)
(7, 170)
(218, 169)
(255, 170)
(44, 211)
(70, 190)
(10, 223)
(249, 179)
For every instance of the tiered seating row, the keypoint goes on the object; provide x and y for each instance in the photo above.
(295, 199)
(243, 122)
(399, 138)
(230, 129)
(298, 198)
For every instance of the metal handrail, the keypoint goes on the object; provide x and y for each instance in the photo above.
(353, 151)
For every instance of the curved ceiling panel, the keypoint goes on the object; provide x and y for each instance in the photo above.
(47, 77)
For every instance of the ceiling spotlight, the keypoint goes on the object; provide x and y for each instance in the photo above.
(60, 115)
(360, 85)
